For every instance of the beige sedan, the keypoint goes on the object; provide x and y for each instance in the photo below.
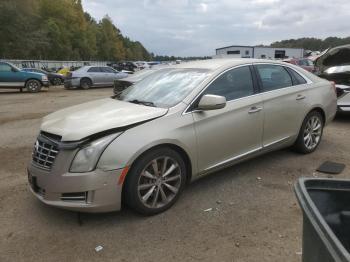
(178, 124)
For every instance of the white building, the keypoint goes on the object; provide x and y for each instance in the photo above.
(258, 52)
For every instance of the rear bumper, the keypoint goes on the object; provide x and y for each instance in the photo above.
(343, 108)
(93, 192)
(72, 83)
(344, 103)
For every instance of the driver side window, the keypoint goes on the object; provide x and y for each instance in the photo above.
(5, 68)
(233, 84)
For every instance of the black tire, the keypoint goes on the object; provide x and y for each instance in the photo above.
(85, 83)
(57, 81)
(33, 86)
(132, 193)
(301, 144)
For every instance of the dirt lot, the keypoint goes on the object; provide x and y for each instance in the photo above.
(252, 219)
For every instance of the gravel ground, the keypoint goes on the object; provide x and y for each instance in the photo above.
(254, 217)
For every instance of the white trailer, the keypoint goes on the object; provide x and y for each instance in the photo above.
(259, 52)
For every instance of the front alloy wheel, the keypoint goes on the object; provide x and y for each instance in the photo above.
(33, 86)
(155, 181)
(159, 182)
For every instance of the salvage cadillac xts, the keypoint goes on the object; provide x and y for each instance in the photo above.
(143, 145)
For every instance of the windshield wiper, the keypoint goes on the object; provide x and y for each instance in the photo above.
(146, 103)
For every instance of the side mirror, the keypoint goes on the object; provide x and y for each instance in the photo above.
(211, 102)
(14, 69)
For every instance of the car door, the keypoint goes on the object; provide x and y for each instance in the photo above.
(227, 134)
(110, 75)
(96, 75)
(10, 77)
(285, 102)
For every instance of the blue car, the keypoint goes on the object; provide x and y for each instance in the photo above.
(13, 77)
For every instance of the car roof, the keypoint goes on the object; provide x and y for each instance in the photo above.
(214, 64)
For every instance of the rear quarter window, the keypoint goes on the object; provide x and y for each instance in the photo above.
(297, 78)
(273, 77)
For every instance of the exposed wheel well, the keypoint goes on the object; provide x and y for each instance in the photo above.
(321, 111)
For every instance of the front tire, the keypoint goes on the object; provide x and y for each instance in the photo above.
(155, 181)
(310, 133)
(85, 83)
(33, 86)
(57, 81)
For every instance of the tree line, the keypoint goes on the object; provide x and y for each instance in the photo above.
(61, 30)
(311, 43)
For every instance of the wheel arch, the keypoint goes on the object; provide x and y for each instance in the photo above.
(25, 83)
(86, 77)
(319, 110)
(185, 156)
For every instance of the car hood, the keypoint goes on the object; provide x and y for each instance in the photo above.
(333, 57)
(80, 121)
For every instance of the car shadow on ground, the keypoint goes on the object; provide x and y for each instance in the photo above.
(17, 92)
(343, 117)
(89, 89)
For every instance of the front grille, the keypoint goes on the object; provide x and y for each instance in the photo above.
(79, 196)
(44, 153)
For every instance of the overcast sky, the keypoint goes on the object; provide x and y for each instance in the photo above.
(198, 27)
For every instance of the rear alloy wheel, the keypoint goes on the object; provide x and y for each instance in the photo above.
(57, 81)
(155, 181)
(310, 134)
(85, 83)
(33, 86)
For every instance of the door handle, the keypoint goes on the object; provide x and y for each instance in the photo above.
(300, 97)
(254, 109)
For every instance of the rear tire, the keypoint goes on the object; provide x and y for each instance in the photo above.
(310, 133)
(155, 181)
(33, 86)
(85, 83)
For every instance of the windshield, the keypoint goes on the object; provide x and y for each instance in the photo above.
(165, 87)
(15, 67)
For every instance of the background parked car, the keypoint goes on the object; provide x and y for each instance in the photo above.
(334, 65)
(64, 71)
(141, 64)
(13, 77)
(54, 78)
(304, 63)
(124, 66)
(121, 84)
(88, 76)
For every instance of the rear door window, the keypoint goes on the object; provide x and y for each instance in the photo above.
(233, 84)
(94, 70)
(107, 70)
(273, 77)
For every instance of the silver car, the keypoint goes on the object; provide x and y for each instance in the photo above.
(89, 76)
(174, 126)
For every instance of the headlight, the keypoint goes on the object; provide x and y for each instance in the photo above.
(44, 78)
(87, 157)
